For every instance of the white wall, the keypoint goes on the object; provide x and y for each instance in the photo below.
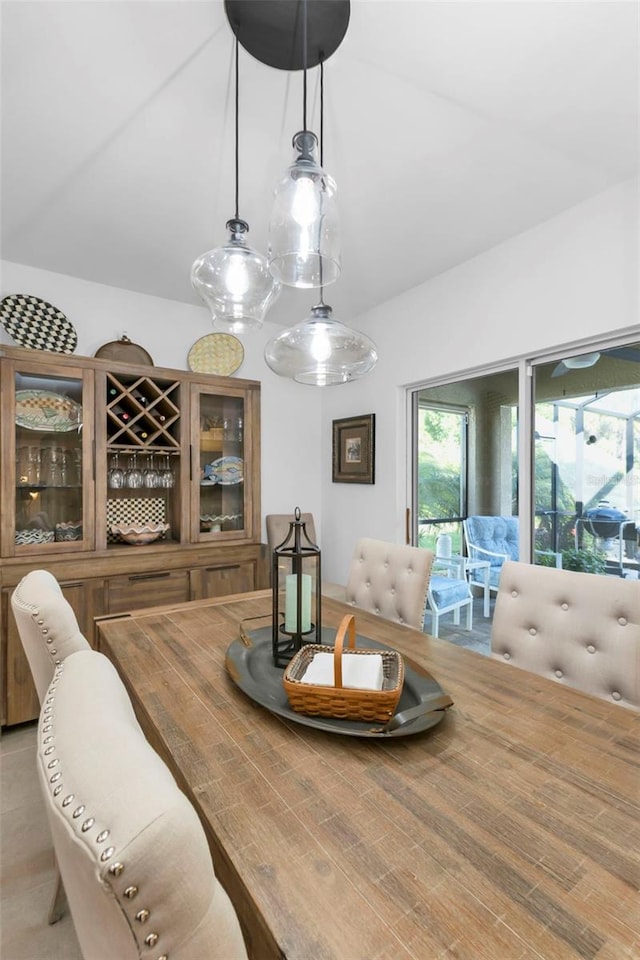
(292, 461)
(575, 276)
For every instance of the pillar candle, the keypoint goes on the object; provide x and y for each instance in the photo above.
(291, 603)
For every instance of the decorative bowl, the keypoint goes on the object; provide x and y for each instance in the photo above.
(71, 530)
(208, 519)
(34, 536)
(139, 534)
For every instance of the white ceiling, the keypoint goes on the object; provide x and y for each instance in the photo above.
(449, 127)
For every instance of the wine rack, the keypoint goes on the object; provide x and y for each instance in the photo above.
(142, 412)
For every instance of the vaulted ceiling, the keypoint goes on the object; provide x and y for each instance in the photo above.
(449, 127)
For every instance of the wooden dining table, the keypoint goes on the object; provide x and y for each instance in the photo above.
(509, 830)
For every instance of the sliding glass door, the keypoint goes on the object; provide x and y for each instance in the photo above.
(441, 466)
(572, 479)
(465, 459)
(587, 460)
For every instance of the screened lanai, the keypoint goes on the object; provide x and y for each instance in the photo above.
(587, 486)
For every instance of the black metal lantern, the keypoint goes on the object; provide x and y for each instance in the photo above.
(296, 592)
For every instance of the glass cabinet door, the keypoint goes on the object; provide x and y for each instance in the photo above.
(50, 505)
(221, 476)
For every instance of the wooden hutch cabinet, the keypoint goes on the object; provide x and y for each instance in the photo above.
(88, 445)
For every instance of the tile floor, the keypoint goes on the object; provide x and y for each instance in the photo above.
(26, 859)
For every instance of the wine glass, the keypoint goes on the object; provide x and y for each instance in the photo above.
(151, 475)
(115, 476)
(64, 469)
(34, 465)
(77, 465)
(166, 474)
(134, 477)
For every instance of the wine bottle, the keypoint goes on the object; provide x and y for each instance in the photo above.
(111, 393)
(121, 413)
(141, 398)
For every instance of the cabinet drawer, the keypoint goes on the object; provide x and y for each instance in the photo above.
(224, 579)
(139, 590)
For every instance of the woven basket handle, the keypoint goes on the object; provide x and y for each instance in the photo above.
(348, 626)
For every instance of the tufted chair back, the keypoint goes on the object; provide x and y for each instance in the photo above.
(132, 852)
(47, 625)
(391, 580)
(278, 528)
(575, 628)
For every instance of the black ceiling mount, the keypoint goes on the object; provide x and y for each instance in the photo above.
(272, 30)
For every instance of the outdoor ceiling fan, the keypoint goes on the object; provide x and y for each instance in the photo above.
(585, 360)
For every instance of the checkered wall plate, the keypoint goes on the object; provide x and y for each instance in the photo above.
(37, 324)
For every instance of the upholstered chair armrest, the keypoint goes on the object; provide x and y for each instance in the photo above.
(451, 566)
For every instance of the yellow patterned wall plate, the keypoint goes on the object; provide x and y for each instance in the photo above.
(220, 353)
(50, 412)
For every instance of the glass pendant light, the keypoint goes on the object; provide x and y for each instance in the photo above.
(304, 243)
(304, 246)
(234, 280)
(321, 351)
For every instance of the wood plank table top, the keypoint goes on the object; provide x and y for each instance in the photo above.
(510, 831)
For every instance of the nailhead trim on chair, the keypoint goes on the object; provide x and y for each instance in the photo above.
(49, 638)
(117, 868)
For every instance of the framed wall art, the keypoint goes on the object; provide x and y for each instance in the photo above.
(354, 449)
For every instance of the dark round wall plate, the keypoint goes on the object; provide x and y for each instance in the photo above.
(124, 350)
(272, 30)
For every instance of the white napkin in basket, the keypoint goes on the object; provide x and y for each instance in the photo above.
(359, 671)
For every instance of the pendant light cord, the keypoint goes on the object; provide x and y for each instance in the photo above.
(237, 134)
(321, 155)
(304, 64)
(321, 111)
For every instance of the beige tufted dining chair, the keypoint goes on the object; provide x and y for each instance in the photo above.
(49, 633)
(278, 528)
(576, 628)
(47, 625)
(133, 854)
(390, 580)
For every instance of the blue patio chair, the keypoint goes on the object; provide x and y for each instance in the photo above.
(494, 540)
(448, 593)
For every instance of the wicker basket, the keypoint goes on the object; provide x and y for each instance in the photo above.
(345, 703)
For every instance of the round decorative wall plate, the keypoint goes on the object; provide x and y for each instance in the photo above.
(124, 350)
(50, 412)
(34, 323)
(219, 353)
